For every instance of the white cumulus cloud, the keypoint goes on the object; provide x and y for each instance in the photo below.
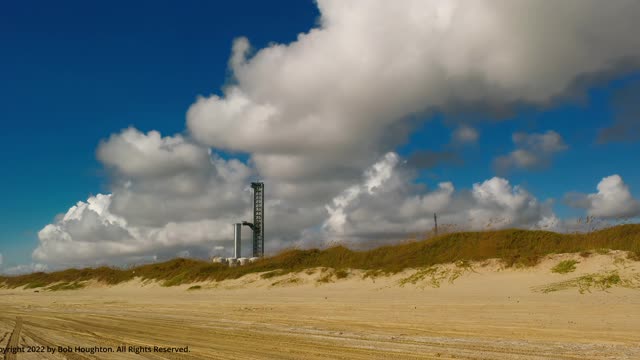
(397, 206)
(168, 195)
(613, 200)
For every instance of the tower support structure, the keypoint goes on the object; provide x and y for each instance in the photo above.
(237, 240)
(258, 219)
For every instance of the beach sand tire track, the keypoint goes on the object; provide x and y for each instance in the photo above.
(14, 341)
(41, 341)
(102, 340)
(4, 336)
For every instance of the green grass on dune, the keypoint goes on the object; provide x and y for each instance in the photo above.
(565, 266)
(66, 286)
(514, 247)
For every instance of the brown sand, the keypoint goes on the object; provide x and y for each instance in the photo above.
(483, 312)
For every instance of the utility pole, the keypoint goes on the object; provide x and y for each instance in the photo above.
(435, 220)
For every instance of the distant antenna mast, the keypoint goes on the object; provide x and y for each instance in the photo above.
(258, 219)
(435, 220)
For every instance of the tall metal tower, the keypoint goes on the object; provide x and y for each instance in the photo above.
(258, 219)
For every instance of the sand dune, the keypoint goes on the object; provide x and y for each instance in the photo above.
(453, 311)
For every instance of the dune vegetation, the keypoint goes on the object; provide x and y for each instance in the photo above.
(565, 266)
(514, 247)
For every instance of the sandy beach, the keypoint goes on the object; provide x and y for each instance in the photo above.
(463, 311)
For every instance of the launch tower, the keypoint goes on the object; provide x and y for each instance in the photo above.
(258, 219)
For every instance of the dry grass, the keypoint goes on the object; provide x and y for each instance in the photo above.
(514, 247)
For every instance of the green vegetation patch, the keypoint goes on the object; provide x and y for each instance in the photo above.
(195, 287)
(596, 281)
(35, 284)
(66, 286)
(434, 276)
(565, 267)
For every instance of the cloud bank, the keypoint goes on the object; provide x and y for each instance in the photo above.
(168, 195)
(384, 203)
(331, 98)
(320, 119)
(388, 203)
(25, 269)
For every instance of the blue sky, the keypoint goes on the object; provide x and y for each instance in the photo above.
(75, 72)
(578, 169)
